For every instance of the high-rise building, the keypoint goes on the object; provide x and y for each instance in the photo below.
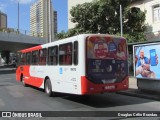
(55, 22)
(3, 20)
(73, 3)
(42, 19)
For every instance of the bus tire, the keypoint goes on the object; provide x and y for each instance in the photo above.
(48, 88)
(23, 82)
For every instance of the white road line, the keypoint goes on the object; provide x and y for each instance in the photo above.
(1, 103)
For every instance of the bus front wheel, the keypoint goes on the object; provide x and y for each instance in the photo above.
(48, 88)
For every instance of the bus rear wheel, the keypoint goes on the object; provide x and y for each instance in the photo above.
(48, 88)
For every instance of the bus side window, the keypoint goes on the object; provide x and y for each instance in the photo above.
(65, 54)
(75, 53)
(61, 55)
(69, 54)
(28, 58)
(23, 59)
(42, 56)
(35, 57)
(19, 58)
(53, 55)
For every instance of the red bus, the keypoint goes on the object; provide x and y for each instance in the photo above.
(83, 64)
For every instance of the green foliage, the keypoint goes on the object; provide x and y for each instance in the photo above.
(103, 16)
(61, 35)
(137, 37)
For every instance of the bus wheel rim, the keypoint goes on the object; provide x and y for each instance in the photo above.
(47, 88)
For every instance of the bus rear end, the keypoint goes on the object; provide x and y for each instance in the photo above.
(106, 65)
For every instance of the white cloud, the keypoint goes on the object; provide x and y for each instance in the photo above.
(23, 1)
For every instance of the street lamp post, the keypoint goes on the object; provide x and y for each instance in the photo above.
(121, 25)
(50, 16)
(18, 18)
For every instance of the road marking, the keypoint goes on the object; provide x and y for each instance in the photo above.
(1, 103)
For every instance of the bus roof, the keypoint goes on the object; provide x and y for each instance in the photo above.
(31, 49)
(62, 41)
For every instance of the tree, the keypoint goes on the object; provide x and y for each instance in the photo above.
(103, 16)
(134, 26)
(61, 35)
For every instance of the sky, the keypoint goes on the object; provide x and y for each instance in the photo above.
(10, 7)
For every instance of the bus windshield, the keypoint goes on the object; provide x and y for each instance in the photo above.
(106, 59)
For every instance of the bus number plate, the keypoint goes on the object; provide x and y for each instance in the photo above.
(109, 87)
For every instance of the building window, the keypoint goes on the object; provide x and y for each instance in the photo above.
(65, 54)
(156, 13)
(53, 55)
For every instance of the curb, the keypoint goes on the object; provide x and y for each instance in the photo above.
(141, 94)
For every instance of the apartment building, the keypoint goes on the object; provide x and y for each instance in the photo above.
(152, 9)
(55, 22)
(42, 20)
(3, 20)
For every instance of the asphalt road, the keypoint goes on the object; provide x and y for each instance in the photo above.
(15, 97)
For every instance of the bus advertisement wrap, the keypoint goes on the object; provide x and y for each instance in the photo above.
(107, 59)
(147, 61)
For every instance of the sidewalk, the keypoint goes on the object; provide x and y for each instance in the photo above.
(7, 69)
(133, 91)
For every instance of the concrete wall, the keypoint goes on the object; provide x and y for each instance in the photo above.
(13, 37)
(149, 85)
(14, 42)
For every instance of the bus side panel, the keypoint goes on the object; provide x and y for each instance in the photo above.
(63, 78)
(66, 78)
(91, 88)
(29, 78)
(26, 74)
(35, 81)
(18, 74)
(22, 71)
(36, 76)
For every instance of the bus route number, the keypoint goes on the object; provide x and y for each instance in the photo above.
(73, 69)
